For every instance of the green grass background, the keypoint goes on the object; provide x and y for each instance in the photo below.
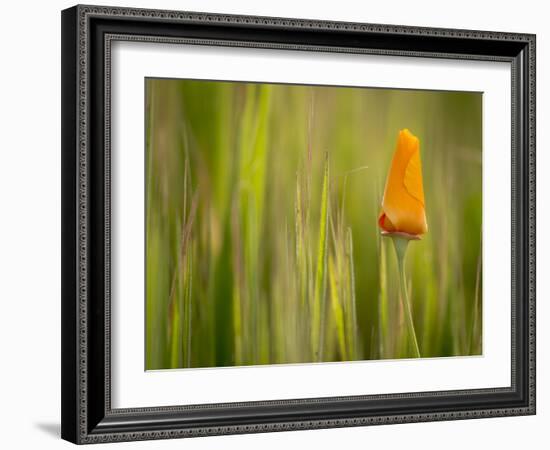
(262, 245)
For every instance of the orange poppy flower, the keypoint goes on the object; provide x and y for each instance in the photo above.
(403, 202)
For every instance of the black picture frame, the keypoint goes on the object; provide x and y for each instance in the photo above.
(87, 33)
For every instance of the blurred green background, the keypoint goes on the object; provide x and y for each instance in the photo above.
(262, 244)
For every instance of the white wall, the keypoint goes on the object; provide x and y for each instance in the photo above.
(30, 222)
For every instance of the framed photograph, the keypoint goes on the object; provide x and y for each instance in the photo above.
(279, 224)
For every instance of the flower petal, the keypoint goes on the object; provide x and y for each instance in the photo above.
(385, 223)
(413, 177)
(403, 200)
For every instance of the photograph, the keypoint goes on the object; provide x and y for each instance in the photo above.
(273, 222)
(299, 224)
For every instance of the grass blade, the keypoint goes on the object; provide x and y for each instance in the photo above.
(320, 275)
(352, 309)
(337, 310)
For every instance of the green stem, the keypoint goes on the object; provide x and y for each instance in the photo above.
(401, 245)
